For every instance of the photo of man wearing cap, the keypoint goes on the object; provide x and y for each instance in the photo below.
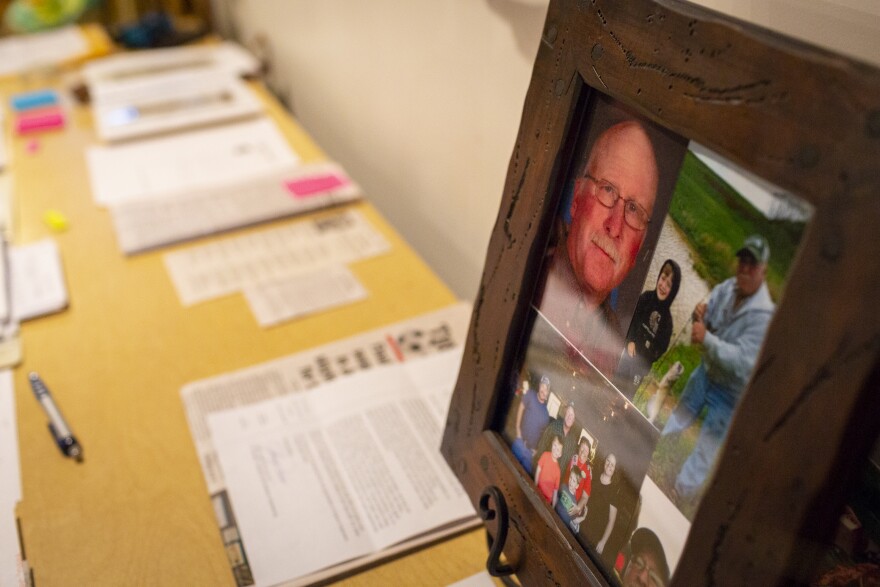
(646, 565)
(731, 328)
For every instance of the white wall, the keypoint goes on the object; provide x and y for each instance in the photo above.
(421, 101)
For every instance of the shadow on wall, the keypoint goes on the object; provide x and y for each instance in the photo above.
(522, 15)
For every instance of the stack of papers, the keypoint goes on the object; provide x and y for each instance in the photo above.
(168, 189)
(283, 272)
(186, 185)
(189, 162)
(134, 71)
(139, 94)
(149, 223)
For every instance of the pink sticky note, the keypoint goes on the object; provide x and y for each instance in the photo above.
(44, 119)
(314, 185)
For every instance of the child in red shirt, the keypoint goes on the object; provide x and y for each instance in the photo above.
(547, 472)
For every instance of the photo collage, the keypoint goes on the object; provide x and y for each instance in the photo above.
(661, 278)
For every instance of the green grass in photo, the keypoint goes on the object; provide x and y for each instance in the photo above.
(715, 219)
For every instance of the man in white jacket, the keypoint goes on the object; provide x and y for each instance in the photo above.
(731, 328)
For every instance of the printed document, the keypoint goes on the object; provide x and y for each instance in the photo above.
(151, 222)
(189, 162)
(229, 265)
(296, 374)
(341, 471)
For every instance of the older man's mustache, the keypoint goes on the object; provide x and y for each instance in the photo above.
(608, 246)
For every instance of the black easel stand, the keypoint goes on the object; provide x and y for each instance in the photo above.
(493, 564)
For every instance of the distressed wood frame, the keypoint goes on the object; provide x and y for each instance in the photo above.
(802, 118)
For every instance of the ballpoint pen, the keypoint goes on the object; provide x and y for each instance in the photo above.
(59, 428)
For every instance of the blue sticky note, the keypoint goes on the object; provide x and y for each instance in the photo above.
(30, 100)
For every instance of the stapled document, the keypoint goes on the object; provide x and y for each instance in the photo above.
(229, 265)
(192, 162)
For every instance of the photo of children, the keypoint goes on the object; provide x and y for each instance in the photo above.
(567, 504)
(584, 487)
(547, 472)
(650, 330)
(596, 431)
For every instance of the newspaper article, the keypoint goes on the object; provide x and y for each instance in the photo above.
(295, 374)
(342, 470)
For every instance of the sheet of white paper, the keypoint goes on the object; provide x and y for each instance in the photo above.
(344, 469)
(10, 485)
(229, 265)
(189, 162)
(304, 294)
(155, 221)
(37, 279)
(20, 53)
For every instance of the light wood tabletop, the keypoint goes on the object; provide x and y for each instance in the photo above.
(137, 511)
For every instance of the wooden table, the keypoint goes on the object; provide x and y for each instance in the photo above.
(137, 511)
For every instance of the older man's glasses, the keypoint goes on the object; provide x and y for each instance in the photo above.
(634, 215)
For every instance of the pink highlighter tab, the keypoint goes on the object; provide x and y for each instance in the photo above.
(43, 119)
(315, 185)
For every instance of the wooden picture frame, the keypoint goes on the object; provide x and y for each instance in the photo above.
(799, 117)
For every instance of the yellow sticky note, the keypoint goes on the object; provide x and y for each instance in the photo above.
(55, 220)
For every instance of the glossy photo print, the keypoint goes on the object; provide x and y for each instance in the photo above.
(657, 288)
(731, 240)
(582, 442)
(717, 276)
